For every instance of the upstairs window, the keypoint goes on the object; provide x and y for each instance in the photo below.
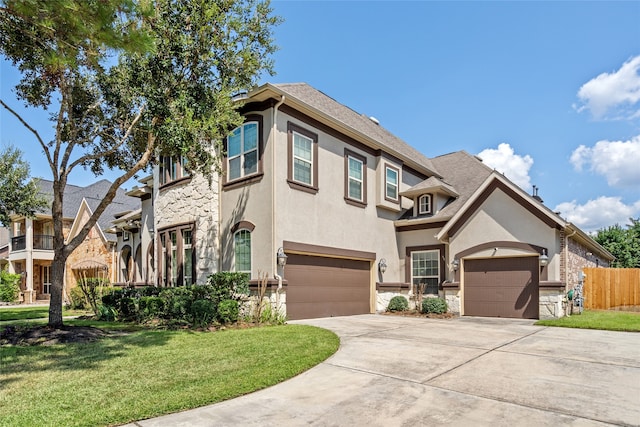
(355, 175)
(242, 151)
(424, 204)
(302, 159)
(302, 149)
(172, 168)
(391, 184)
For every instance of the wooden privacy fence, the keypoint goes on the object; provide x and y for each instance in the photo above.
(605, 288)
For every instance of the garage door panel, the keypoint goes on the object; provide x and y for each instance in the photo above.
(502, 287)
(324, 287)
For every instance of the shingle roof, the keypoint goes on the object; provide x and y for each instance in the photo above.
(463, 172)
(359, 122)
(93, 194)
(431, 183)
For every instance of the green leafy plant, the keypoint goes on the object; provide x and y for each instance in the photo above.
(203, 312)
(434, 305)
(398, 303)
(228, 311)
(77, 299)
(9, 286)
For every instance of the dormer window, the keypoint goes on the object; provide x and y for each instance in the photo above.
(424, 204)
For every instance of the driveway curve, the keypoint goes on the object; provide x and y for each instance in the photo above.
(402, 371)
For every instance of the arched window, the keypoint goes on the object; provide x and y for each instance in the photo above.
(424, 204)
(125, 264)
(242, 249)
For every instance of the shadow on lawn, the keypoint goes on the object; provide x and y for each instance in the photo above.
(71, 356)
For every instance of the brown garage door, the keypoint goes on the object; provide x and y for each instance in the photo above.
(324, 287)
(501, 287)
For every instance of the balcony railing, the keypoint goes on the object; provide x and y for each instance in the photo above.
(18, 243)
(40, 241)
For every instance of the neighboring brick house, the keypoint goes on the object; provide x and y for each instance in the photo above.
(361, 216)
(31, 240)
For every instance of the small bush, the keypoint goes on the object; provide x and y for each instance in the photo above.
(203, 312)
(398, 303)
(9, 286)
(434, 305)
(106, 313)
(228, 311)
(78, 299)
(150, 307)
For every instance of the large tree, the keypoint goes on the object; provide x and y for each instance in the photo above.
(18, 192)
(623, 243)
(126, 81)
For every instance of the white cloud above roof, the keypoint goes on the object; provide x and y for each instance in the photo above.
(617, 161)
(615, 95)
(599, 213)
(512, 165)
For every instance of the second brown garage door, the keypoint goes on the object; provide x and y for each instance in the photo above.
(325, 287)
(501, 287)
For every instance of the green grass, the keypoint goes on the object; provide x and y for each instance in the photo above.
(148, 373)
(34, 312)
(598, 319)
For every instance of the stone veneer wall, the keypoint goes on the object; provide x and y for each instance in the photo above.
(93, 248)
(578, 258)
(551, 303)
(192, 201)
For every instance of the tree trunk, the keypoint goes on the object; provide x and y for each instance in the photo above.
(57, 282)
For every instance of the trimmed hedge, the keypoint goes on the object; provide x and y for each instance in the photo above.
(198, 305)
(9, 286)
(398, 303)
(434, 305)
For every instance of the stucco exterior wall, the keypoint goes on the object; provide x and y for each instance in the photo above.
(191, 201)
(500, 218)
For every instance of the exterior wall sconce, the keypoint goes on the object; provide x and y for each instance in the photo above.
(544, 259)
(382, 265)
(455, 264)
(282, 257)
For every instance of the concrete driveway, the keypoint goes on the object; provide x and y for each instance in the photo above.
(397, 371)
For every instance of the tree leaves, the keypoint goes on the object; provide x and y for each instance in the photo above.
(623, 243)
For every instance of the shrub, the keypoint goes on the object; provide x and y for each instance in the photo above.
(203, 312)
(150, 307)
(78, 299)
(398, 303)
(106, 313)
(226, 285)
(9, 286)
(228, 311)
(434, 305)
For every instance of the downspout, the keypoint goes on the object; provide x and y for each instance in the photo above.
(274, 259)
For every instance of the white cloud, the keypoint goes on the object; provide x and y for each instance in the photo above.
(599, 213)
(613, 95)
(617, 161)
(504, 160)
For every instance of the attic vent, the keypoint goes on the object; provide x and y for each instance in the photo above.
(374, 120)
(535, 194)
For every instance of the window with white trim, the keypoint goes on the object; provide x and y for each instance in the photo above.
(391, 183)
(302, 159)
(355, 179)
(242, 249)
(46, 279)
(425, 271)
(242, 151)
(187, 257)
(424, 204)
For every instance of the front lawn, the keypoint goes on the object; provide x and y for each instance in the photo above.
(33, 312)
(148, 373)
(598, 319)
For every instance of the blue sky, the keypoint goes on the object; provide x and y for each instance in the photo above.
(546, 92)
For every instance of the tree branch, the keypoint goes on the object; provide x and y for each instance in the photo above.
(35, 132)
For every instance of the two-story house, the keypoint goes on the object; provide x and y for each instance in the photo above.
(361, 216)
(31, 240)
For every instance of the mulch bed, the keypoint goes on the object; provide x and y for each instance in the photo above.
(416, 313)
